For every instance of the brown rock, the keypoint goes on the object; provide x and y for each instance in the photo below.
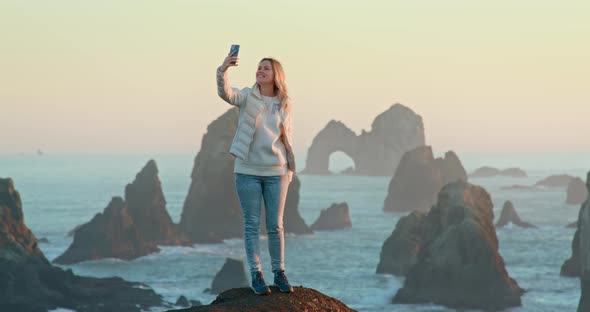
(334, 218)
(400, 251)
(509, 215)
(244, 300)
(419, 177)
(459, 265)
(375, 153)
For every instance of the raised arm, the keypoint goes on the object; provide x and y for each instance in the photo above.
(233, 96)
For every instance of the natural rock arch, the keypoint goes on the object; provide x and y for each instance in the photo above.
(375, 153)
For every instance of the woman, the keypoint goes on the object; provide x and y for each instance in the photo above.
(264, 162)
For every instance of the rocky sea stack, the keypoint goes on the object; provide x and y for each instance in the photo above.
(509, 215)
(419, 177)
(211, 211)
(334, 218)
(30, 283)
(130, 228)
(459, 265)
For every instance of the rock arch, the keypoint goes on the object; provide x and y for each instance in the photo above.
(377, 152)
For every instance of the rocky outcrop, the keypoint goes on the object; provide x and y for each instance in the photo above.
(484, 172)
(147, 208)
(111, 234)
(211, 211)
(419, 178)
(584, 247)
(374, 153)
(509, 215)
(459, 265)
(558, 180)
(231, 275)
(334, 218)
(127, 229)
(244, 300)
(400, 251)
(576, 192)
(29, 282)
(572, 266)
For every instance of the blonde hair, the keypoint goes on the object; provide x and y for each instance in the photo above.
(280, 89)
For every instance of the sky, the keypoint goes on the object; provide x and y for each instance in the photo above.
(139, 76)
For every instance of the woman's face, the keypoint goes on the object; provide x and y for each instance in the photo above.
(265, 74)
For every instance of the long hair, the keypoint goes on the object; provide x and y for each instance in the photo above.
(280, 89)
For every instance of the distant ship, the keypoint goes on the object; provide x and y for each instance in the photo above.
(40, 152)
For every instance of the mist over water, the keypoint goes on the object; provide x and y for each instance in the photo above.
(60, 192)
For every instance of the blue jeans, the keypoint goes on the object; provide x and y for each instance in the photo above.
(251, 189)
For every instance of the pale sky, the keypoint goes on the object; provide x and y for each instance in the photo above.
(139, 76)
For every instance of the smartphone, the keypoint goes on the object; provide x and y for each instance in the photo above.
(236, 48)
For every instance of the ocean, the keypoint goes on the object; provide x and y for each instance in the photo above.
(60, 192)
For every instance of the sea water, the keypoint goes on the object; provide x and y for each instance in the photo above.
(60, 192)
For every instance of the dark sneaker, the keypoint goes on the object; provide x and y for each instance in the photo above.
(259, 285)
(282, 282)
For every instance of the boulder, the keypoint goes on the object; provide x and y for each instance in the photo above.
(558, 180)
(211, 211)
(419, 177)
(509, 215)
(334, 218)
(231, 275)
(375, 153)
(29, 282)
(576, 192)
(400, 251)
(244, 300)
(459, 265)
(130, 228)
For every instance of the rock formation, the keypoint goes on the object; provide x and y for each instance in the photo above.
(419, 177)
(30, 283)
(584, 247)
(459, 265)
(576, 192)
(375, 153)
(231, 275)
(484, 172)
(127, 229)
(334, 218)
(558, 180)
(572, 266)
(509, 215)
(400, 251)
(211, 211)
(243, 300)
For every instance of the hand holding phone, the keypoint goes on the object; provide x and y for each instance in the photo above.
(232, 57)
